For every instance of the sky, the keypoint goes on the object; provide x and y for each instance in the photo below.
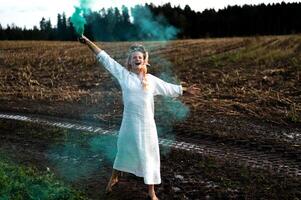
(28, 13)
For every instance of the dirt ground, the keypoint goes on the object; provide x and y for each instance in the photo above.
(185, 175)
(249, 101)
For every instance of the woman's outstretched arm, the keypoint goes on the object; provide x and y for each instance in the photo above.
(172, 90)
(83, 39)
(109, 63)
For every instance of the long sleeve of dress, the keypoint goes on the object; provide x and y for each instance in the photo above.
(166, 89)
(112, 66)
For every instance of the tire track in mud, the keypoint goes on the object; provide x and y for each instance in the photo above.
(249, 158)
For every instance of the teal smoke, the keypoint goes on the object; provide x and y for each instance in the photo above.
(105, 144)
(77, 165)
(71, 161)
(169, 111)
(154, 27)
(78, 20)
(80, 154)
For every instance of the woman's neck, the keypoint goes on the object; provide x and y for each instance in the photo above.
(137, 71)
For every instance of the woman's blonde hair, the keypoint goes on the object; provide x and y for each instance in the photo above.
(143, 71)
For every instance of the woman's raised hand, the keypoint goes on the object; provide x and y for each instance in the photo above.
(83, 39)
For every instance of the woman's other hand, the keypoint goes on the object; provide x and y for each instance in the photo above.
(192, 90)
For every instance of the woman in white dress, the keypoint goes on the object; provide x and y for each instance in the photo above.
(137, 144)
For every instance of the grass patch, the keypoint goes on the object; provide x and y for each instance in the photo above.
(18, 182)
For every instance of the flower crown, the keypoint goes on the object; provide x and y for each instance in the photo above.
(137, 47)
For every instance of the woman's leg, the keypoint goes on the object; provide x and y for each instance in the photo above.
(151, 192)
(113, 181)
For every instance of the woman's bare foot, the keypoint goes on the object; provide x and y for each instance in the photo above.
(152, 193)
(152, 197)
(113, 181)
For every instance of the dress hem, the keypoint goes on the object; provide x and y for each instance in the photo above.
(139, 175)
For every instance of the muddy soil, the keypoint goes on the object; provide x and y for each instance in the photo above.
(185, 175)
(249, 102)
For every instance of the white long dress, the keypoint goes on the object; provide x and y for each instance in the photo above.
(137, 144)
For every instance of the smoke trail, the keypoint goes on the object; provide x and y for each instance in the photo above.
(157, 28)
(105, 144)
(77, 17)
(151, 27)
(81, 154)
(168, 110)
(72, 160)
(77, 163)
(78, 21)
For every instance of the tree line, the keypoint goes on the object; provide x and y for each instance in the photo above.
(114, 24)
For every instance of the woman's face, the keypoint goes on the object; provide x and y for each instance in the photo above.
(136, 60)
